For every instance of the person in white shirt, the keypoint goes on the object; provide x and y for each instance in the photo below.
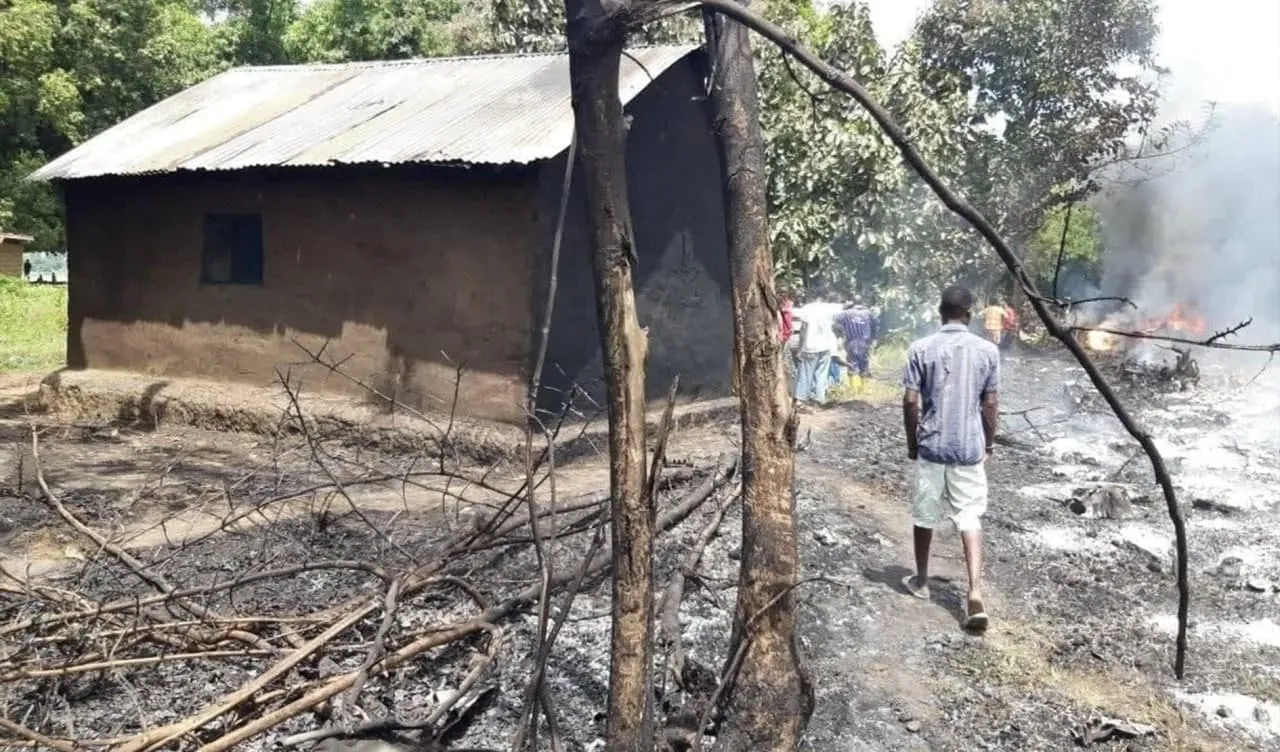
(818, 343)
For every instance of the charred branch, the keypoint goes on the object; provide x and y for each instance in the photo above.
(1212, 342)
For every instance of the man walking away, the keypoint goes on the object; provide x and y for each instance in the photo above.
(949, 410)
(817, 344)
(857, 325)
(993, 322)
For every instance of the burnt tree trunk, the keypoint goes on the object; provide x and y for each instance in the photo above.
(769, 698)
(596, 31)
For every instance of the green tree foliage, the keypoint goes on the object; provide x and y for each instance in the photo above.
(1058, 87)
(70, 69)
(253, 30)
(822, 152)
(342, 30)
(1081, 247)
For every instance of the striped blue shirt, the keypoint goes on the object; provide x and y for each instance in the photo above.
(952, 369)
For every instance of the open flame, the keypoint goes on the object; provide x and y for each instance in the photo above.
(1101, 341)
(1183, 320)
(1180, 321)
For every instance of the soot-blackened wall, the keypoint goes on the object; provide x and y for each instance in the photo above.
(682, 284)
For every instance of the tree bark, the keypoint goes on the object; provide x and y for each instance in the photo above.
(596, 32)
(769, 698)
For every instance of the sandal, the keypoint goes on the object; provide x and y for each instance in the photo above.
(977, 620)
(917, 591)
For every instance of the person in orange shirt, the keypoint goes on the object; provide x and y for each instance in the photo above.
(993, 321)
(1010, 326)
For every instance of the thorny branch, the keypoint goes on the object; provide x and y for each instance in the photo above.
(845, 83)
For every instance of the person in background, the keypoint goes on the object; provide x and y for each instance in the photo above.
(949, 411)
(857, 326)
(786, 323)
(993, 322)
(817, 343)
(1010, 327)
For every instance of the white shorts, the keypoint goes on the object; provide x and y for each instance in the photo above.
(950, 492)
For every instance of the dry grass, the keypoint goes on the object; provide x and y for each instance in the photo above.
(1017, 657)
(885, 384)
(33, 325)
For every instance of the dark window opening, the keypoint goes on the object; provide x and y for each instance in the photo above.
(232, 252)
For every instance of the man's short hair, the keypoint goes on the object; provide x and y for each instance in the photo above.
(956, 301)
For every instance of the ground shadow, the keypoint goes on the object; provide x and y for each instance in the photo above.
(943, 591)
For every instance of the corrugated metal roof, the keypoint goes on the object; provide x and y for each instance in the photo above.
(16, 237)
(500, 109)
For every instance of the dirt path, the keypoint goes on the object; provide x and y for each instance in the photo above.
(895, 673)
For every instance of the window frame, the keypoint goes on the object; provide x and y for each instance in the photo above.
(239, 238)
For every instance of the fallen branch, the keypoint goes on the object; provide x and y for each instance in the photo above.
(157, 738)
(381, 725)
(86, 668)
(36, 738)
(124, 557)
(596, 565)
(669, 610)
(390, 604)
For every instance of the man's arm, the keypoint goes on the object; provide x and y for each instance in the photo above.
(990, 415)
(911, 419)
(991, 401)
(912, 380)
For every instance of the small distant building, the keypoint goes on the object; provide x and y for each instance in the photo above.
(12, 245)
(404, 214)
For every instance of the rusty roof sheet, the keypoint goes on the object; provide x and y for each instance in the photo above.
(501, 109)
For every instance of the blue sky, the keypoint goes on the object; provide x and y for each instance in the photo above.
(1224, 50)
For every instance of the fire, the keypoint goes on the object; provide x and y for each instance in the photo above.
(1101, 341)
(1181, 320)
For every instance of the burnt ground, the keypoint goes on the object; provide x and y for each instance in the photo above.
(1081, 603)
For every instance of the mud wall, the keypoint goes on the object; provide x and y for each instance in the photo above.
(11, 259)
(677, 210)
(408, 274)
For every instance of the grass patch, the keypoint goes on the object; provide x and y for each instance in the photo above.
(1016, 659)
(885, 384)
(33, 325)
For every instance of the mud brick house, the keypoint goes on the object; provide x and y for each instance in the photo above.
(11, 247)
(401, 212)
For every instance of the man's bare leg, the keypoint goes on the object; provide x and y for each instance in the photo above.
(922, 539)
(973, 564)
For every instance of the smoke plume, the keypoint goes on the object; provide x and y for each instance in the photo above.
(1203, 229)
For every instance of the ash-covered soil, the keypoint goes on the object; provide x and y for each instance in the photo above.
(1082, 600)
